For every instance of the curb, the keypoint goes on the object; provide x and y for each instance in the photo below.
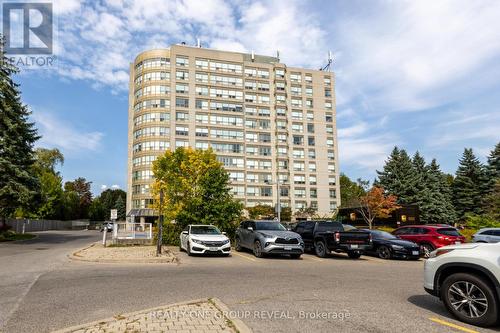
(76, 257)
(237, 324)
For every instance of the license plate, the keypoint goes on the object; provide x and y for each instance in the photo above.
(415, 253)
(288, 248)
(458, 242)
(212, 249)
(354, 246)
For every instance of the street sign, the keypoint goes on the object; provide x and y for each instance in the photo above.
(114, 214)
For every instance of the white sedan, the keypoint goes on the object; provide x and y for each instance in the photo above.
(204, 239)
(467, 279)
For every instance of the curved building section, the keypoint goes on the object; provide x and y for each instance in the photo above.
(267, 123)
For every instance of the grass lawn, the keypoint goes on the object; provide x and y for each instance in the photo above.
(9, 236)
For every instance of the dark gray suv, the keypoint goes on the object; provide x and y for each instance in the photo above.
(268, 237)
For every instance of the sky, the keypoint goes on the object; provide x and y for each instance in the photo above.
(423, 75)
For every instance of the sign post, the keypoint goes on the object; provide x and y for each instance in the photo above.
(114, 214)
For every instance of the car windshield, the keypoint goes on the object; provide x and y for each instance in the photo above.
(269, 226)
(448, 232)
(205, 230)
(377, 234)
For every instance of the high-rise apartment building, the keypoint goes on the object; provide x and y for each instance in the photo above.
(266, 122)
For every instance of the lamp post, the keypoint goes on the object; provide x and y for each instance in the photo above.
(278, 195)
(160, 226)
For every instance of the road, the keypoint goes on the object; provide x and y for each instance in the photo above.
(334, 294)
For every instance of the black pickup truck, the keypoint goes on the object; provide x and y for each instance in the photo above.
(327, 236)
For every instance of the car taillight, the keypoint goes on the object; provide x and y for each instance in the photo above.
(337, 237)
(370, 238)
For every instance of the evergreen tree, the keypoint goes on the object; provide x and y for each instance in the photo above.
(17, 137)
(439, 208)
(120, 207)
(422, 189)
(398, 177)
(494, 164)
(470, 185)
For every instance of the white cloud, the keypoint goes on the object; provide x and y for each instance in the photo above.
(104, 187)
(115, 187)
(56, 132)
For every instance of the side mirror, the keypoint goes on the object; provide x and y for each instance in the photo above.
(250, 228)
(224, 233)
(184, 232)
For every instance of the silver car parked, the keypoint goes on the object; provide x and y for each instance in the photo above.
(487, 235)
(268, 237)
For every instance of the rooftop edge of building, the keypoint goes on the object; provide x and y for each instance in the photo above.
(246, 57)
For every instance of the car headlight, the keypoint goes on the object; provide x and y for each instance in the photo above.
(267, 236)
(197, 241)
(225, 241)
(397, 247)
(439, 252)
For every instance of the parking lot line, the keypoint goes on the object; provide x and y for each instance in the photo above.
(313, 258)
(458, 327)
(243, 256)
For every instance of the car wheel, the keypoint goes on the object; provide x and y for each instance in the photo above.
(237, 244)
(320, 249)
(354, 254)
(257, 249)
(426, 250)
(384, 252)
(188, 249)
(295, 256)
(471, 299)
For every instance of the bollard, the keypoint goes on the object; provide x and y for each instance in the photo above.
(104, 235)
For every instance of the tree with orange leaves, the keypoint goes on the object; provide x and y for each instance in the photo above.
(375, 203)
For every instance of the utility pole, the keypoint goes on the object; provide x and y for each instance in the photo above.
(160, 226)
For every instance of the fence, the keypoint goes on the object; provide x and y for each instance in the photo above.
(132, 231)
(45, 225)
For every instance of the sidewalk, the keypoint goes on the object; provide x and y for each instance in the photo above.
(123, 254)
(205, 316)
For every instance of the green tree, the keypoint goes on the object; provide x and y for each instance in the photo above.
(109, 198)
(81, 188)
(71, 206)
(286, 214)
(306, 212)
(120, 207)
(492, 202)
(493, 166)
(470, 185)
(351, 192)
(18, 185)
(97, 211)
(438, 208)
(196, 190)
(261, 211)
(398, 177)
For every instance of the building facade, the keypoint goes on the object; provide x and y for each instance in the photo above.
(266, 122)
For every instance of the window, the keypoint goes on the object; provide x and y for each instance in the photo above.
(309, 91)
(152, 104)
(329, 129)
(225, 67)
(312, 180)
(181, 143)
(296, 102)
(298, 153)
(298, 166)
(182, 75)
(182, 130)
(281, 98)
(297, 115)
(311, 153)
(331, 155)
(203, 91)
(282, 151)
(308, 78)
(263, 73)
(295, 77)
(238, 190)
(332, 180)
(298, 140)
(280, 111)
(226, 134)
(202, 118)
(230, 107)
(182, 102)
(328, 105)
(311, 141)
(201, 104)
(264, 137)
(282, 138)
(298, 179)
(182, 61)
(237, 176)
(182, 116)
(201, 63)
(181, 88)
(297, 127)
(329, 142)
(310, 116)
(280, 73)
(327, 80)
(333, 194)
(300, 192)
(201, 145)
(153, 62)
(329, 118)
(280, 86)
(203, 132)
(310, 128)
(231, 161)
(201, 77)
(226, 120)
(296, 90)
(227, 147)
(251, 85)
(152, 90)
(281, 124)
(328, 92)
(331, 168)
(312, 167)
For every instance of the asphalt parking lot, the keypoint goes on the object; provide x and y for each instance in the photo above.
(311, 294)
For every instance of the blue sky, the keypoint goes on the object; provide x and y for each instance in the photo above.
(423, 75)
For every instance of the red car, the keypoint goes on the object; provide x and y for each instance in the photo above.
(430, 236)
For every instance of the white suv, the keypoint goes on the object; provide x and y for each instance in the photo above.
(467, 279)
(204, 239)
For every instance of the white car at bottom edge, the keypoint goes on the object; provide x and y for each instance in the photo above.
(204, 239)
(467, 279)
